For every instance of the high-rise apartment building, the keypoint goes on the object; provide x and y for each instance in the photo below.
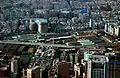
(97, 67)
(15, 67)
(34, 72)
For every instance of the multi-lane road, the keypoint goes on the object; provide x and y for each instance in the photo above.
(43, 44)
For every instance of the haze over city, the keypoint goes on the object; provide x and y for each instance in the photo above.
(59, 39)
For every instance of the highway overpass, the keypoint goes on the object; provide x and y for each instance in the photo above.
(43, 44)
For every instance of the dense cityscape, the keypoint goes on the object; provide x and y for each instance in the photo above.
(59, 39)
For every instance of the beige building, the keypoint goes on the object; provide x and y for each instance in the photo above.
(34, 72)
(117, 30)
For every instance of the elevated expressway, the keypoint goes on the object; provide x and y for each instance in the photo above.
(49, 45)
(42, 44)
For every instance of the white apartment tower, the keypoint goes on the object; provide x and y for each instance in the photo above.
(97, 66)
